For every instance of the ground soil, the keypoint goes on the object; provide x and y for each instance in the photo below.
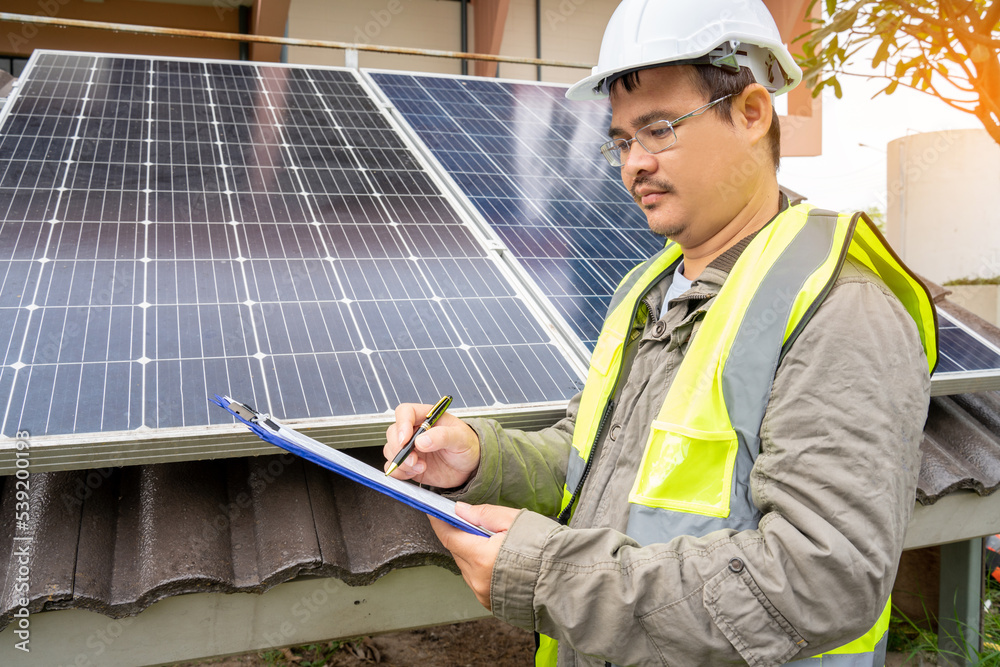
(486, 642)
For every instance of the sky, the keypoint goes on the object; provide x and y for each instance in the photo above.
(848, 175)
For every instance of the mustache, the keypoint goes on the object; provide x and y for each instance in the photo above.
(662, 186)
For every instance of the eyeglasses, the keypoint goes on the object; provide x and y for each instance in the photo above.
(655, 137)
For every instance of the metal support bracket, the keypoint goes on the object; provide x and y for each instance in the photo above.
(496, 246)
(960, 604)
(351, 58)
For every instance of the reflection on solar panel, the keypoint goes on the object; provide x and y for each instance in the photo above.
(172, 229)
(527, 159)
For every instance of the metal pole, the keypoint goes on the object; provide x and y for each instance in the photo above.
(284, 47)
(538, 38)
(244, 19)
(465, 33)
(960, 603)
(290, 41)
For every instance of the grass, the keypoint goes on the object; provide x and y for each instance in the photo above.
(319, 655)
(909, 638)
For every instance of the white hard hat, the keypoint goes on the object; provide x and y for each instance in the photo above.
(725, 33)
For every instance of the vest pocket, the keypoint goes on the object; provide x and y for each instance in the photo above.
(686, 470)
(609, 345)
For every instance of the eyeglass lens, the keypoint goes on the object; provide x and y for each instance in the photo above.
(655, 137)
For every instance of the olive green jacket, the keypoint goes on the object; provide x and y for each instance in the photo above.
(835, 481)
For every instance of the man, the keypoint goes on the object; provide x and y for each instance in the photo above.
(739, 471)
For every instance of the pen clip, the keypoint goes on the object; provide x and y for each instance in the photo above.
(435, 412)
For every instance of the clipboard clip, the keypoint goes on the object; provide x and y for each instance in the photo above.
(249, 414)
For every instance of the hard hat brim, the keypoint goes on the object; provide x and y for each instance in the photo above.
(594, 88)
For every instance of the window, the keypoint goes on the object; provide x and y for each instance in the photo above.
(13, 65)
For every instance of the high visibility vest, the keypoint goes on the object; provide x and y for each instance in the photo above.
(694, 476)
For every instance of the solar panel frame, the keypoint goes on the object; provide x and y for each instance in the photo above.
(145, 445)
(954, 375)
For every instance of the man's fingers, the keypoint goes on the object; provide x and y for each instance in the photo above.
(494, 518)
(474, 556)
(447, 533)
(408, 416)
(399, 432)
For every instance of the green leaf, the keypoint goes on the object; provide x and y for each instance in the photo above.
(831, 7)
(837, 90)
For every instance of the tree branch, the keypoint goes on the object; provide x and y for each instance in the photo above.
(959, 28)
(950, 101)
(990, 19)
(957, 61)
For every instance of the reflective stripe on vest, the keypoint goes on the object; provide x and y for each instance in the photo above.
(695, 471)
(858, 653)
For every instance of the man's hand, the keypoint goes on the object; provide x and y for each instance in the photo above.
(476, 555)
(445, 456)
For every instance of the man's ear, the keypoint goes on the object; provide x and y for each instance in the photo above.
(752, 112)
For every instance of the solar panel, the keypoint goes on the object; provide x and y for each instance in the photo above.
(966, 362)
(527, 160)
(175, 228)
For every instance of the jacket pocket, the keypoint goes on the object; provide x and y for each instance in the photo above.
(755, 628)
(686, 470)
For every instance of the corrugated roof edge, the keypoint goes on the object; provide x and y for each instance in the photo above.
(961, 445)
(116, 540)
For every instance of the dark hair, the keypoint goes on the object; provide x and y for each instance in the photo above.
(716, 82)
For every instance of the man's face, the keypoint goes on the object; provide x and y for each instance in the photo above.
(694, 188)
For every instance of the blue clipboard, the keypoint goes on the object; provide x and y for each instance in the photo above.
(270, 430)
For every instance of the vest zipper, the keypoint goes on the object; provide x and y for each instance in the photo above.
(563, 517)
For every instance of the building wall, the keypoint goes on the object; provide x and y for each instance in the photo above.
(571, 30)
(943, 202)
(426, 24)
(20, 39)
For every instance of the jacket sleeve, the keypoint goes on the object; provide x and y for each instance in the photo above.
(519, 468)
(835, 481)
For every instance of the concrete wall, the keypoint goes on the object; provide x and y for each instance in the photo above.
(428, 24)
(983, 300)
(571, 30)
(944, 203)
